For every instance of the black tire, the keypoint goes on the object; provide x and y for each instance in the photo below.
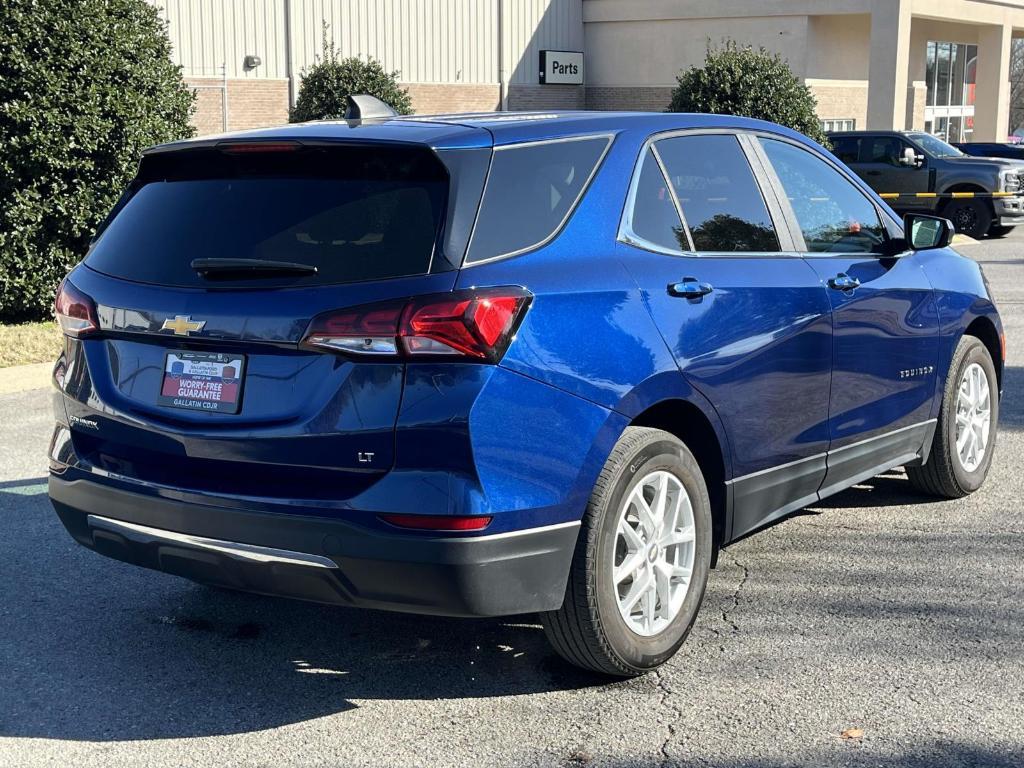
(944, 475)
(969, 217)
(588, 630)
(996, 231)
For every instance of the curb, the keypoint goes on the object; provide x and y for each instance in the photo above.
(959, 239)
(22, 378)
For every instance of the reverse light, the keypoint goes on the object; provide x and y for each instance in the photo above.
(476, 324)
(76, 312)
(438, 522)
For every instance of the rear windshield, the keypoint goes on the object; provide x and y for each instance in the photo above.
(353, 213)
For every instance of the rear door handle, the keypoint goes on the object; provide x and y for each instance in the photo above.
(843, 282)
(689, 288)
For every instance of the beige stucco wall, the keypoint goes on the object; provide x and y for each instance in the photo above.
(651, 53)
(837, 47)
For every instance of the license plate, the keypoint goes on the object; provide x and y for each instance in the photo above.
(203, 381)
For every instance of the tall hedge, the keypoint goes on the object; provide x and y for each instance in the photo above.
(326, 85)
(742, 80)
(85, 85)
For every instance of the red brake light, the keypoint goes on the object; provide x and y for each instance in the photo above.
(249, 147)
(76, 312)
(438, 522)
(366, 330)
(478, 324)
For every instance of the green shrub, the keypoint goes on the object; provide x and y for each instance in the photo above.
(327, 84)
(743, 81)
(85, 85)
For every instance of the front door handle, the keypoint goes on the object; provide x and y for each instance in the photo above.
(843, 282)
(689, 288)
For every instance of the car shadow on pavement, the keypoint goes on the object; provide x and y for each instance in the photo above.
(890, 489)
(94, 649)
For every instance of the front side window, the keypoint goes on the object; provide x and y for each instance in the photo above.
(834, 216)
(719, 196)
(531, 190)
(883, 149)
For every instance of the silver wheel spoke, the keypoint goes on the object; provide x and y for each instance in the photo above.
(629, 534)
(629, 566)
(673, 537)
(637, 589)
(644, 512)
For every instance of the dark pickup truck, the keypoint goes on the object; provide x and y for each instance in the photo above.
(991, 149)
(910, 162)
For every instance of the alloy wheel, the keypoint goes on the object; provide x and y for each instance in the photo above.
(973, 417)
(654, 553)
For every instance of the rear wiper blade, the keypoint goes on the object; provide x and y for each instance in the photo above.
(241, 268)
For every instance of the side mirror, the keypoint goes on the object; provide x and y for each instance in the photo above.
(926, 232)
(910, 158)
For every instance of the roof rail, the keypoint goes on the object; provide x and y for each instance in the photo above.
(362, 106)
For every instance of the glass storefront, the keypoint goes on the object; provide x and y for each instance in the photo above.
(950, 77)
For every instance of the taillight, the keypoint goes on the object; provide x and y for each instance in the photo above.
(438, 522)
(76, 312)
(477, 324)
(366, 330)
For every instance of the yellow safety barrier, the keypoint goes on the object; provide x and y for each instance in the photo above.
(897, 195)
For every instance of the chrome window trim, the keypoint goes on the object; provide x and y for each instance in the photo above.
(627, 236)
(609, 140)
(671, 193)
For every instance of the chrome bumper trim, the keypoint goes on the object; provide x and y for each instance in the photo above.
(235, 549)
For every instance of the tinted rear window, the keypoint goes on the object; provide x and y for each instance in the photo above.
(531, 190)
(720, 197)
(354, 213)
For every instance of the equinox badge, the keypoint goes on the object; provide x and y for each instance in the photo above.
(182, 325)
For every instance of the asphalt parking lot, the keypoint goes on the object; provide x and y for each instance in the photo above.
(877, 610)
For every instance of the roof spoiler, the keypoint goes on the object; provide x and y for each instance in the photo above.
(362, 106)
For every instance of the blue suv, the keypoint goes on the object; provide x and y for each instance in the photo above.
(493, 364)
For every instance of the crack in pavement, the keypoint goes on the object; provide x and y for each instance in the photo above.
(666, 701)
(666, 692)
(735, 597)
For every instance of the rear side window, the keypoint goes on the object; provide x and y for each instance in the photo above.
(531, 190)
(353, 213)
(834, 216)
(717, 191)
(653, 217)
(845, 148)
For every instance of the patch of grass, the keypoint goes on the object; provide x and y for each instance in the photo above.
(29, 343)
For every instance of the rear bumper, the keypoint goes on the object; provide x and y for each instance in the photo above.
(322, 560)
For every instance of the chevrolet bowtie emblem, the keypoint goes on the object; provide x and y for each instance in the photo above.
(182, 325)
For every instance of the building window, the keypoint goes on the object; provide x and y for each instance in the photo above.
(839, 124)
(950, 78)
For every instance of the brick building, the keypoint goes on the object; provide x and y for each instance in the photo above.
(937, 65)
